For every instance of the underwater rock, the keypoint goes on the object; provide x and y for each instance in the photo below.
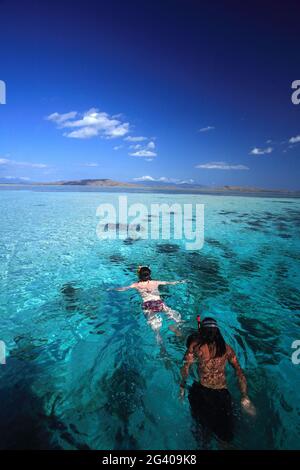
(70, 296)
(288, 297)
(167, 248)
(122, 227)
(248, 266)
(205, 269)
(116, 259)
(68, 290)
(262, 338)
(281, 270)
(213, 242)
(227, 252)
(256, 223)
(130, 241)
(227, 212)
(124, 392)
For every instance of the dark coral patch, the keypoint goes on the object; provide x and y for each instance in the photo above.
(116, 259)
(167, 248)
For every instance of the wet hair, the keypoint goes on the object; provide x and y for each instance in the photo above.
(192, 338)
(209, 334)
(212, 336)
(144, 274)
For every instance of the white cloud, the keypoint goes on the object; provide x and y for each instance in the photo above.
(260, 151)
(84, 133)
(136, 146)
(221, 166)
(294, 140)
(189, 181)
(92, 123)
(206, 129)
(131, 138)
(91, 164)
(32, 165)
(5, 161)
(146, 151)
(151, 145)
(23, 178)
(163, 179)
(60, 118)
(118, 147)
(144, 178)
(143, 153)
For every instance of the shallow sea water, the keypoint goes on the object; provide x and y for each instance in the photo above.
(84, 370)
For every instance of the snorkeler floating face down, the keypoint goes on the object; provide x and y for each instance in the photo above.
(152, 304)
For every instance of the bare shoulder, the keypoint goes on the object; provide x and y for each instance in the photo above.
(229, 351)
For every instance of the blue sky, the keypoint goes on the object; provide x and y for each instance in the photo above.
(194, 91)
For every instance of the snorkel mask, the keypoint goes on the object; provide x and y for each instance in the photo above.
(207, 322)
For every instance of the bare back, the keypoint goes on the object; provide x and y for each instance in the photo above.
(148, 289)
(212, 369)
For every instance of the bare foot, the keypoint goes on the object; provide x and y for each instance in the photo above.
(175, 330)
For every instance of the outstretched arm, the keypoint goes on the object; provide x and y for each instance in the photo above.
(121, 289)
(245, 401)
(164, 283)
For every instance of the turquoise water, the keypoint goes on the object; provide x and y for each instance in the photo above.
(85, 371)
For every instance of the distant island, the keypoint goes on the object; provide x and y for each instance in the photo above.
(105, 182)
(109, 183)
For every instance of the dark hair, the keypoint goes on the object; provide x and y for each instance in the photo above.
(211, 335)
(192, 338)
(144, 273)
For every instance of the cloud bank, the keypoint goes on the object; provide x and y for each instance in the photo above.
(221, 166)
(91, 123)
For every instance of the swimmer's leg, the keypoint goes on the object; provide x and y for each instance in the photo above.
(175, 316)
(155, 322)
(172, 314)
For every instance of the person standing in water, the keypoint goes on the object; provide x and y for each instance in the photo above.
(153, 305)
(209, 398)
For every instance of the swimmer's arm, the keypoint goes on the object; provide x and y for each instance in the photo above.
(245, 401)
(188, 361)
(121, 289)
(165, 283)
(239, 372)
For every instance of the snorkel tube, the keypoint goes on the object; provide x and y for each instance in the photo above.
(198, 321)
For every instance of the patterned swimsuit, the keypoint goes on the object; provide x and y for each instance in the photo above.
(153, 305)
